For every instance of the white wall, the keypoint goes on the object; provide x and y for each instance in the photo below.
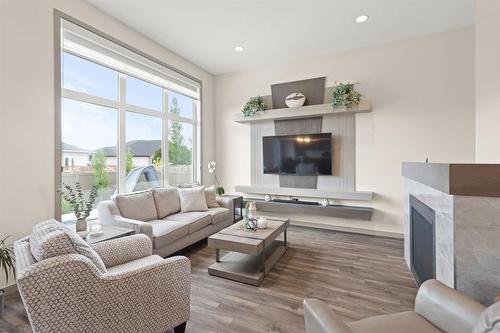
(487, 38)
(422, 91)
(27, 103)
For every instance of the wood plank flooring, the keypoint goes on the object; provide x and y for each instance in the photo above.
(357, 275)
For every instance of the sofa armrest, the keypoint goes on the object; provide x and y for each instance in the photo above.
(320, 319)
(226, 202)
(139, 227)
(121, 250)
(446, 308)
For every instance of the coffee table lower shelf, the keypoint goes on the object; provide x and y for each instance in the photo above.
(246, 268)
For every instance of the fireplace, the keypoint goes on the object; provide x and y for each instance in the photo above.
(422, 241)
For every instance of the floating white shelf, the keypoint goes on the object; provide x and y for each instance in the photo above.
(306, 192)
(302, 112)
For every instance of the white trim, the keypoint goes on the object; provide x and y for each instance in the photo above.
(164, 133)
(86, 98)
(121, 151)
(141, 110)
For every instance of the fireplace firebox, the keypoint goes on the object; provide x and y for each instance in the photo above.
(422, 241)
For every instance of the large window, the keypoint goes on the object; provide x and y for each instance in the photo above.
(127, 123)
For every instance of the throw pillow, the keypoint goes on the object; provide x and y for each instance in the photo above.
(167, 201)
(188, 185)
(137, 205)
(211, 197)
(193, 199)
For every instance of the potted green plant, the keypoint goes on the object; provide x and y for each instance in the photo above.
(253, 106)
(79, 205)
(211, 169)
(345, 96)
(6, 265)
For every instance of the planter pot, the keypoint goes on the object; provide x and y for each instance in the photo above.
(81, 225)
(220, 191)
(2, 296)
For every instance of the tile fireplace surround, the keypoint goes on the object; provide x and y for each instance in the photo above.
(466, 201)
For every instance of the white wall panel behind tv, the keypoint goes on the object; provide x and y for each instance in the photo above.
(342, 126)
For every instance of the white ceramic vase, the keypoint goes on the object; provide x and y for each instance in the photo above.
(262, 223)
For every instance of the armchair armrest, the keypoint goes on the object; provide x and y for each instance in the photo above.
(117, 301)
(226, 202)
(121, 250)
(446, 308)
(320, 319)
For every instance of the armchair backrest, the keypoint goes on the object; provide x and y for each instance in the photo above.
(50, 239)
(447, 309)
(489, 320)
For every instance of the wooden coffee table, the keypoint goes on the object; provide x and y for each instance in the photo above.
(253, 253)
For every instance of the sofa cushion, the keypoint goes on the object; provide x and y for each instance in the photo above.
(211, 197)
(219, 214)
(194, 220)
(193, 199)
(137, 205)
(167, 201)
(167, 232)
(408, 322)
(51, 238)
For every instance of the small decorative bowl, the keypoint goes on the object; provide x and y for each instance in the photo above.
(295, 100)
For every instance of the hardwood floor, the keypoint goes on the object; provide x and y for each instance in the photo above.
(358, 276)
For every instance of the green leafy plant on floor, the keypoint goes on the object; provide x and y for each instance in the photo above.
(6, 258)
(76, 199)
(253, 106)
(344, 95)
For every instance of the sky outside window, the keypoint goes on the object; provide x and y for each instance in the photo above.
(144, 94)
(89, 78)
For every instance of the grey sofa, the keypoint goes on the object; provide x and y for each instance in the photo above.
(157, 214)
(438, 309)
(114, 286)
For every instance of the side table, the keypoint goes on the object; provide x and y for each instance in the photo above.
(238, 206)
(108, 232)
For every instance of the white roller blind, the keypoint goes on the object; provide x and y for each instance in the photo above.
(84, 43)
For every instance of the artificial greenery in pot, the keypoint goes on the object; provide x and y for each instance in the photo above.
(253, 106)
(344, 95)
(7, 265)
(80, 206)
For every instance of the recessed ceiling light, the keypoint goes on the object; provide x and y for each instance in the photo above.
(362, 18)
(238, 48)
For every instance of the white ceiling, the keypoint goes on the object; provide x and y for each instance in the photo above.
(273, 31)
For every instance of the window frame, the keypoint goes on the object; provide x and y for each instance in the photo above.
(122, 107)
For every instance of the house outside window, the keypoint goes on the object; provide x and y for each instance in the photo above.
(118, 117)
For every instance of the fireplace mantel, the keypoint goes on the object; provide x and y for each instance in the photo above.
(456, 178)
(466, 201)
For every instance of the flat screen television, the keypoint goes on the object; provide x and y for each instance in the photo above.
(307, 154)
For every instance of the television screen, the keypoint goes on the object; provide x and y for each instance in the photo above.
(307, 154)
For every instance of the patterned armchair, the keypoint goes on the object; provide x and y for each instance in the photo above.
(116, 286)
